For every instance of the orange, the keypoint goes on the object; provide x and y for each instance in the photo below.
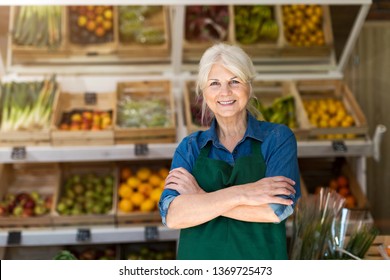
(137, 198)
(333, 184)
(156, 194)
(155, 180)
(125, 191)
(125, 173)
(143, 173)
(147, 205)
(342, 181)
(145, 188)
(133, 182)
(125, 205)
(343, 191)
(163, 172)
(350, 201)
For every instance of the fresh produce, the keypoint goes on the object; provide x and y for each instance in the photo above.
(303, 25)
(145, 253)
(143, 113)
(91, 24)
(196, 113)
(136, 25)
(282, 110)
(38, 26)
(24, 204)
(341, 185)
(140, 189)
(86, 194)
(81, 119)
(329, 113)
(255, 24)
(64, 255)
(27, 106)
(108, 253)
(206, 23)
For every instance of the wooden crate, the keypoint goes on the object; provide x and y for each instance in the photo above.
(24, 178)
(374, 252)
(266, 92)
(70, 101)
(193, 50)
(32, 53)
(23, 138)
(83, 168)
(322, 89)
(316, 173)
(138, 216)
(263, 48)
(146, 91)
(289, 50)
(147, 51)
(91, 49)
(190, 99)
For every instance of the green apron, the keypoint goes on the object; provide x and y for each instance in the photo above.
(225, 238)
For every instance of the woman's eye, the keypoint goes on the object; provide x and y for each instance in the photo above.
(234, 82)
(214, 84)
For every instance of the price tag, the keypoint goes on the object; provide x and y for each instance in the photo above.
(14, 238)
(83, 235)
(18, 153)
(151, 233)
(141, 149)
(92, 53)
(90, 98)
(339, 146)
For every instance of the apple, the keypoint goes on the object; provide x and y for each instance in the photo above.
(3, 209)
(28, 212)
(35, 195)
(18, 210)
(29, 204)
(49, 202)
(40, 210)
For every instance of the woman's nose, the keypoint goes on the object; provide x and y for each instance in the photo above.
(225, 88)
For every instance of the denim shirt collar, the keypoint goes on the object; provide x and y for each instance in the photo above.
(252, 131)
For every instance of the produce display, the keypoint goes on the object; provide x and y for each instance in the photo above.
(82, 119)
(303, 25)
(255, 24)
(282, 110)
(93, 253)
(341, 185)
(137, 24)
(196, 113)
(27, 106)
(329, 113)
(91, 24)
(146, 253)
(142, 113)
(25, 204)
(38, 26)
(206, 23)
(86, 194)
(140, 189)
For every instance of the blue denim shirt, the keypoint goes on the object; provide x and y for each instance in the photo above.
(279, 149)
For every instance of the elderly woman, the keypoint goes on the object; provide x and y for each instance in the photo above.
(231, 187)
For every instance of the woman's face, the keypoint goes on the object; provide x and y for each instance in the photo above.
(225, 94)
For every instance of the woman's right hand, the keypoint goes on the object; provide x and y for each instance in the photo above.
(268, 190)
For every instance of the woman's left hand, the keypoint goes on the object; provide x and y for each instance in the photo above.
(181, 180)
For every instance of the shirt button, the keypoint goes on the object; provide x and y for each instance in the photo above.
(235, 152)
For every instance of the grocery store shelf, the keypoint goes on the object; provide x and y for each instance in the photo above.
(87, 153)
(70, 236)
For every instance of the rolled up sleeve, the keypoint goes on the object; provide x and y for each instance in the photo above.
(165, 200)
